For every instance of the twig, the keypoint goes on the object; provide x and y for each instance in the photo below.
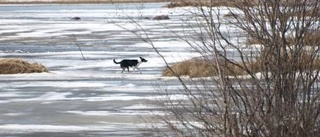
(77, 44)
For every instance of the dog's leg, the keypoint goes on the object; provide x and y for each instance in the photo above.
(138, 69)
(123, 69)
(128, 69)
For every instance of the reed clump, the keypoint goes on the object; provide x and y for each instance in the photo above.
(204, 68)
(17, 65)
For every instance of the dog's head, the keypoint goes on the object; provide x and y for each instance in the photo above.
(143, 60)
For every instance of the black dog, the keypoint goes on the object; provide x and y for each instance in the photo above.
(126, 63)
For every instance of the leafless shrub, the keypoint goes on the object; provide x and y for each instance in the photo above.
(284, 101)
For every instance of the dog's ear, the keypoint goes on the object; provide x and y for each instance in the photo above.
(143, 59)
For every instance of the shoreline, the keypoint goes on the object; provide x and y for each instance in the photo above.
(82, 1)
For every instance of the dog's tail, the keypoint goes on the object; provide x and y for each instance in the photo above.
(114, 60)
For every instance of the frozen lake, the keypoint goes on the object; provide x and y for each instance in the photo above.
(85, 97)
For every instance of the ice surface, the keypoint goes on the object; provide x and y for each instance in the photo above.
(88, 93)
(34, 128)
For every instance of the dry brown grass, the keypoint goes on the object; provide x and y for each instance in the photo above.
(231, 15)
(308, 39)
(209, 3)
(202, 68)
(192, 68)
(232, 3)
(313, 13)
(16, 65)
(301, 62)
(253, 41)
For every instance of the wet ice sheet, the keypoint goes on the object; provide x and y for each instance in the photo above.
(85, 95)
